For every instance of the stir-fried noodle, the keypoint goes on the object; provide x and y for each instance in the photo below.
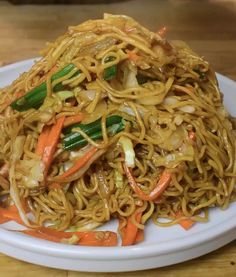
(114, 121)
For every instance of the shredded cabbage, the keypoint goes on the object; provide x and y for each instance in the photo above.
(127, 146)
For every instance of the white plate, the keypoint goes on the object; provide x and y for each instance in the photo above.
(162, 246)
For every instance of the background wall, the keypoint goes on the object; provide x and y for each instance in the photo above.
(208, 26)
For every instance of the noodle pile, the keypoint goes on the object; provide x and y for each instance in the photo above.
(174, 122)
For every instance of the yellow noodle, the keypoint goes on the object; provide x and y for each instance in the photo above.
(164, 92)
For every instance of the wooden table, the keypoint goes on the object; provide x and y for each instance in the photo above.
(210, 29)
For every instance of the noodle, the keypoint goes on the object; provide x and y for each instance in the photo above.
(172, 120)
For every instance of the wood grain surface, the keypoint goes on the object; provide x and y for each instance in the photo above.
(209, 27)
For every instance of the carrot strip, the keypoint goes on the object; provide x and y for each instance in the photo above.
(42, 140)
(73, 119)
(37, 234)
(55, 185)
(93, 238)
(55, 233)
(131, 230)
(139, 236)
(161, 185)
(97, 238)
(3, 219)
(132, 55)
(185, 223)
(10, 213)
(79, 163)
(51, 143)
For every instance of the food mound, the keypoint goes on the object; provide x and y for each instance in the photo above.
(114, 122)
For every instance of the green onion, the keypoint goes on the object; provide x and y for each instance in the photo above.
(90, 127)
(35, 97)
(110, 72)
(114, 125)
(202, 75)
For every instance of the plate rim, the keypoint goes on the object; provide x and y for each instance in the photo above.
(113, 253)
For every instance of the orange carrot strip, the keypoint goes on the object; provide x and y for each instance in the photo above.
(79, 163)
(55, 233)
(13, 208)
(98, 238)
(51, 143)
(42, 140)
(93, 238)
(131, 231)
(25, 205)
(37, 234)
(185, 223)
(73, 119)
(139, 236)
(132, 55)
(161, 185)
(3, 219)
(55, 185)
(10, 213)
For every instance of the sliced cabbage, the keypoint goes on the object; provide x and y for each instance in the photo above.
(35, 175)
(126, 109)
(130, 73)
(128, 149)
(18, 148)
(173, 159)
(187, 109)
